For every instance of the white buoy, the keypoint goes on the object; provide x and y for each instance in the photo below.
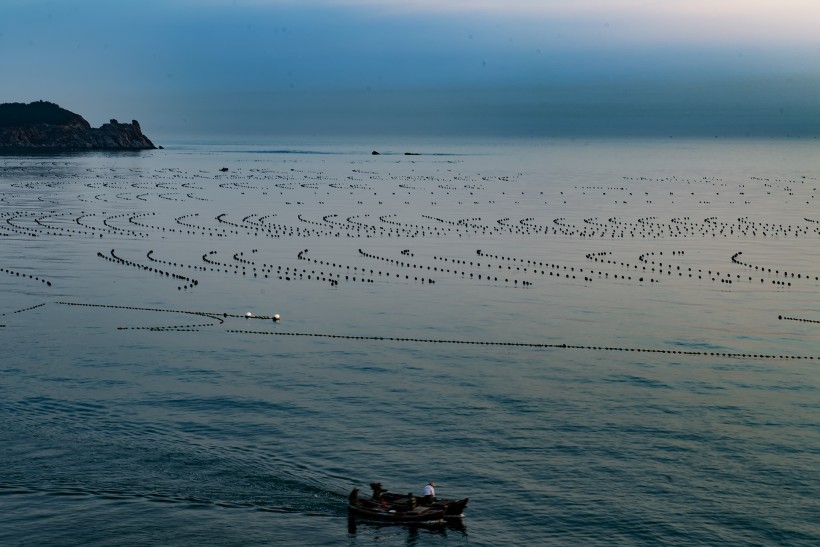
(276, 317)
(248, 315)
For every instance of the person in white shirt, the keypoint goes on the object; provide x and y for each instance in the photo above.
(430, 492)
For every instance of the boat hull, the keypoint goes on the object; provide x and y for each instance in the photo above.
(388, 514)
(452, 508)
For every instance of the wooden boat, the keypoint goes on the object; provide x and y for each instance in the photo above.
(385, 511)
(452, 508)
(408, 503)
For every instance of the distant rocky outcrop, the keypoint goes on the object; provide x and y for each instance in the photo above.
(42, 125)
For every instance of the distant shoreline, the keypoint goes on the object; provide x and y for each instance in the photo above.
(47, 128)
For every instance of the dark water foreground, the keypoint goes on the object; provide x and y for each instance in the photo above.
(598, 343)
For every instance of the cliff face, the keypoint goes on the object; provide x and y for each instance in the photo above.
(45, 126)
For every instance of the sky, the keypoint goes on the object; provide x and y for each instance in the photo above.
(488, 68)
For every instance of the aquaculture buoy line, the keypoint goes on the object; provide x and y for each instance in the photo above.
(673, 228)
(677, 227)
(20, 230)
(348, 276)
(25, 309)
(798, 319)
(25, 275)
(170, 328)
(455, 224)
(397, 263)
(214, 316)
(731, 355)
(218, 317)
(777, 272)
(114, 258)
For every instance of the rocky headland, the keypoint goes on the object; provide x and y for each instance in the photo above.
(42, 125)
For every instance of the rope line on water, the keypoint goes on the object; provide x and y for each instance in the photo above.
(532, 345)
(219, 317)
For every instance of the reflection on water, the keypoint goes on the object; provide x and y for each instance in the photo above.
(414, 533)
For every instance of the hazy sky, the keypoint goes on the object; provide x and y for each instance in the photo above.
(487, 67)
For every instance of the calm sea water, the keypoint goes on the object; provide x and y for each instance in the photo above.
(604, 342)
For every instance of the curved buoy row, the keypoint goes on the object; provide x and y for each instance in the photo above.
(569, 271)
(646, 260)
(328, 227)
(114, 258)
(59, 230)
(18, 274)
(296, 275)
(150, 256)
(256, 227)
(301, 256)
(530, 225)
(203, 229)
(404, 229)
(402, 264)
(465, 275)
(133, 220)
(19, 230)
(779, 230)
(736, 260)
(80, 222)
(304, 272)
(730, 355)
(269, 230)
(714, 276)
(266, 269)
(206, 258)
(284, 276)
(221, 219)
(675, 228)
(415, 229)
(135, 233)
(395, 263)
(277, 230)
